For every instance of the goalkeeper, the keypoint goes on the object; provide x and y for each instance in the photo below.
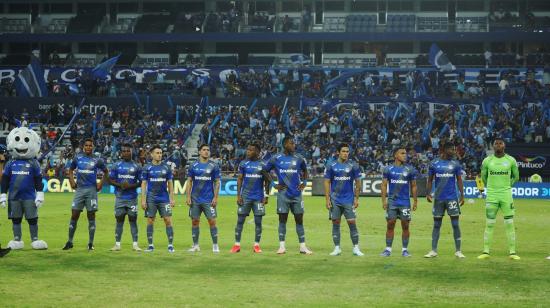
(499, 172)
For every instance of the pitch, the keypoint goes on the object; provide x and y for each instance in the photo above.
(126, 278)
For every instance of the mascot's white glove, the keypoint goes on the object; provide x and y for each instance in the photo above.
(3, 199)
(39, 199)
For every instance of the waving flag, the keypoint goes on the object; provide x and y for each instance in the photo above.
(103, 69)
(300, 59)
(440, 60)
(30, 81)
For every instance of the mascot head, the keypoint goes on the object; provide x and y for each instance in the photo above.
(23, 143)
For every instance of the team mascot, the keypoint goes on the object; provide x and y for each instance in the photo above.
(22, 181)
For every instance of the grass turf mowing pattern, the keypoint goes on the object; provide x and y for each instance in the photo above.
(62, 278)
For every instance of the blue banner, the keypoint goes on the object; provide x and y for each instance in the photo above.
(521, 190)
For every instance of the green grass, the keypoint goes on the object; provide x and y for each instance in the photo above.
(59, 278)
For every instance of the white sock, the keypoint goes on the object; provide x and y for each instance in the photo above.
(117, 243)
(170, 245)
(403, 249)
(256, 243)
(356, 246)
(135, 243)
(336, 247)
(388, 249)
(238, 243)
(302, 245)
(282, 244)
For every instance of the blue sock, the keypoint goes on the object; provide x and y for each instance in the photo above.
(134, 230)
(354, 234)
(17, 232)
(170, 234)
(118, 231)
(195, 231)
(301, 233)
(214, 234)
(150, 229)
(239, 228)
(435, 232)
(456, 233)
(389, 242)
(258, 228)
(72, 229)
(282, 231)
(336, 234)
(91, 230)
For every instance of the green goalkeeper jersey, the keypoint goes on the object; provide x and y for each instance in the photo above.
(498, 175)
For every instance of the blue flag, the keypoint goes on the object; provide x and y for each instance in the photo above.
(103, 69)
(300, 59)
(339, 80)
(30, 81)
(440, 60)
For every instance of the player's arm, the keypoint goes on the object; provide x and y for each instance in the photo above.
(112, 178)
(104, 179)
(515, 173)
(356, 192)
(429, 188)
(305, 176)
(71, 178)
(484, 172)
(171, 192)
(267, 185)
(460, 185)
(216, 191)
(414, 191)
(188, 188)
(240, 171)
(144, 194)
(327, 193)
(384, 193)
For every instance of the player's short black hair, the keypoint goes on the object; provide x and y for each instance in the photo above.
(154, 147)
(397, 149)
(287, 139)
(203, 145)
(499, 139)
(342, 145)
(126, 145)
(256, 145)
(88, 140)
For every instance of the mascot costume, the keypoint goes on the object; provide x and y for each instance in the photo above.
(22, 182)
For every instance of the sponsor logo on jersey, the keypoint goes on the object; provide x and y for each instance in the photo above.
(444, 175)
(20, 172)
(398, 181)
(203, 178)
(157, 179)
(126, 176)
(253, 175)
(498, 173)
(342, 178)
(288, 171)
(84, 171)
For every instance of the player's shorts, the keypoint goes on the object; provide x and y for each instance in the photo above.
(507, 207)
(338, 209)
(16, 209)
(85, 197)
(451, 206)
(163, 208)
(286, 204)
(256, 206)
(196, 209)
(395, 212)
(126, 207)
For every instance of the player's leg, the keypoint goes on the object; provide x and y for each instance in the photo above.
(491, 210)
(238, 232)
(91, 229)
(508, 212)
(258, 209)
(335, 213)
(150, 213)
(165, 211)
(438, 211)
(351, 218)
(297, 208)
(119, 227)
(405, 234)
(457, 236)
(31, 215)
(210, 213)
(132, 219)
(4, 251)
(391, 218)
(194, 214)
(282, 211)
(75, 215)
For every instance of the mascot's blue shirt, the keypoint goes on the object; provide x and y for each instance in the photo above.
(22, 175)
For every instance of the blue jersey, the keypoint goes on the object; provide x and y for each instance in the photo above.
(124, 171)
(157, 177)
(86, 169)
(445, 173)
(203, 176)
(253, 179)
(288, 169)
(342, 177)
(22, 175)
(399, 179)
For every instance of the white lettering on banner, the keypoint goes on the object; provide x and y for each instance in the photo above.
(525, 191)
(64, 76)
(7, 74)
(370, 186)
(530, 165)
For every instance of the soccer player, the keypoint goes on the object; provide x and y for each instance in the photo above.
(448, 175)
(292, 176)
(342, 187)
(253, 186)
(499, 172)
(157, 195)
(203, 187)
(86, 188)
(125, 176)
(399, 177)
(3, 251)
